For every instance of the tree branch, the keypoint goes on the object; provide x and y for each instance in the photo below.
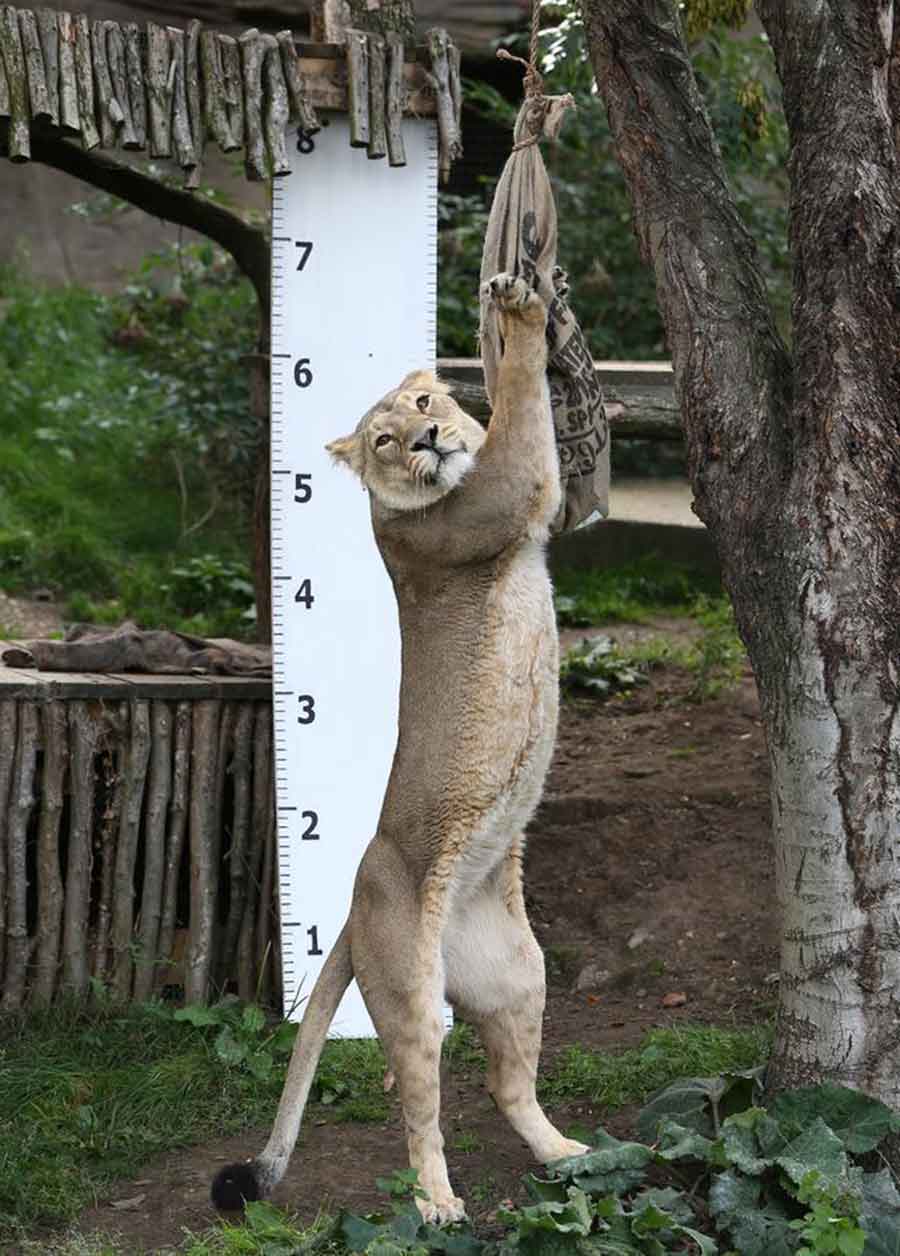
(732, 372)
(247, 245)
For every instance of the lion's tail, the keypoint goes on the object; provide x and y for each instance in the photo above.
(238, 1183)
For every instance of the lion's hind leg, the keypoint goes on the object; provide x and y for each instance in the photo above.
(495, 978)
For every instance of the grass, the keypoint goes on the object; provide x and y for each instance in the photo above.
(87, 1097)
(114, 413)
(633, 593)
(666, 1054)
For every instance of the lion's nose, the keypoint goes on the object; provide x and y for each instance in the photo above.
(429, 440)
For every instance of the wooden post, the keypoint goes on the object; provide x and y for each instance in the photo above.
(204, 873)
(159, 91)
(17, 87)
(84, 725)
(137, 91)
(238, 871)
(262, 808)
(21, 804)
(54, 719)
(175, 837)
(159, 791)
(113, 762)
(277, 108)
(68, 82)
(395, 102)
(358, 88)
(375, 49)
(84, 74)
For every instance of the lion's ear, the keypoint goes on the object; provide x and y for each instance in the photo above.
(349, 451)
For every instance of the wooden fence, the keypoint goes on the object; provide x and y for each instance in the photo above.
(137, 838)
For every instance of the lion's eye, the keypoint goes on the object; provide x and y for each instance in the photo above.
(422, 402)
(383, 439)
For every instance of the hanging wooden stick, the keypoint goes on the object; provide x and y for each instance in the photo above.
(38, 95)
(375, 53)
(302, 112)
(194, 101)
(111, 115)
(17, 88)
(396, 100)
(455, 68)
(8, 725)
(5, 105)
(137, 92)
(233, 86)
(159, 91)
(240, 826)
(204, 873)
(277, 110)
(48, 31)
(84, 74)
(54, 720)
(214, 92)
(113, 760)
(181, 123)
(440, 70)
(21, 805)
(251, 64)
(126, 853)
(159, 789)
(175, 837)
(262, 805)
(358, 88)
(68, 82)
(118, 71)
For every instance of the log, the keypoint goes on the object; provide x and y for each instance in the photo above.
(204, 873)
(262, 807)
(137, 762)
(375, 52)
(395, 103)
(448, 136)
(5, 105)
(358, 88)
(302, 112)
(215, 110)
(238, 872)
(159, 790)
(266, 917)
(137, 91)
(8, 726)
(113, 764)
(277, 108)
(118, 72)
(21, 805)
(159, 91)
(251, 65)
(234, 86)
(38, 93)
(454, 60)
(48, 31)
(19, 136)
(111, 114)
(85, 720)
(177, 828)
(54, 720)
(182, 136)
(84, 74)
(69, 118)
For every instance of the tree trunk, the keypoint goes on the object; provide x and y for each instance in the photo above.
(794, 463)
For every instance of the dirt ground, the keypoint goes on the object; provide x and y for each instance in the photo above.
(648, 874)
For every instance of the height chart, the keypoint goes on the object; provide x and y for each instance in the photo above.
(353, 310)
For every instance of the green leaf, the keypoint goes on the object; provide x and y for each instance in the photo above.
(283, 1038)
(197, 1014)
(688, 1102)
(880, 1217)
(357, 1232)
(817, 1148)
(610, 1167)
(260, 1065)
(879, 1193)
(859, 1121)
(542, 1190)
(668, 1200)
(676, 1142)
(228, 1049)
(731, 1195)
(765, 1232)
(882, 1236)
(253, 1018)
(572, 1217)
(751, 1139)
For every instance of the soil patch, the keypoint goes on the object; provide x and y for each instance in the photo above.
(648, 873)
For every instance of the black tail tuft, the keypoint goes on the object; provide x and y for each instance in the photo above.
(234, 1186)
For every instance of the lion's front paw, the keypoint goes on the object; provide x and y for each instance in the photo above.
(513, 294)
(442, 1210)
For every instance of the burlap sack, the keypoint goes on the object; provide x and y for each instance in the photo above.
(521, 239)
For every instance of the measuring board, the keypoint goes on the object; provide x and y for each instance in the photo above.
(354, 308)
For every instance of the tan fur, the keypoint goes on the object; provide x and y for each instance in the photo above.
(438, 909)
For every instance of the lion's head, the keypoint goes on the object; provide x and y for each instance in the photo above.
(414, 446)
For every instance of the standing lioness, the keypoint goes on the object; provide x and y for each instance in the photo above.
(461, 518)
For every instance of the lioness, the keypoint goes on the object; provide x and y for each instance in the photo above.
(461, 518)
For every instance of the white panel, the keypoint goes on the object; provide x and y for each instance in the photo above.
(350, 316)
